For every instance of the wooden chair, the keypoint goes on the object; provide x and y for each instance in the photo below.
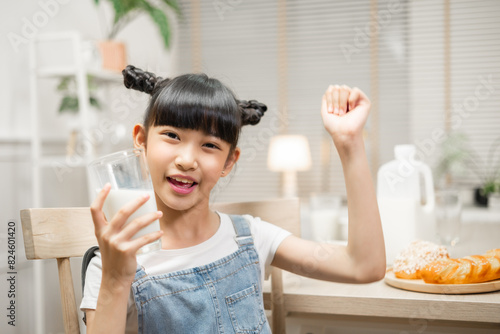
(63, 233)
(60, 233)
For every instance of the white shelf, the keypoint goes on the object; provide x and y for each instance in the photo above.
(25, 139)
(63, 160)
(14, 139)
(102, 75)
(49, 161)
(106, 76)
(60, 163)
(79, 71)
(14, 158)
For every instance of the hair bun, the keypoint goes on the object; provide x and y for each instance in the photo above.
(140, 80)
(251, 111)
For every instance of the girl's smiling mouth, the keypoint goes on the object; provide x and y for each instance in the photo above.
(182, 184)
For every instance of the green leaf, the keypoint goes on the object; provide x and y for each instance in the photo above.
(95, 102)
(125, 10)
(64, 84)
(120, 9)
(173, 4)
(161, 21)
(91, 82)
(69, 103)
(489, 188)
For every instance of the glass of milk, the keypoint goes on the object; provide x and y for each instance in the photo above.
(128, 174)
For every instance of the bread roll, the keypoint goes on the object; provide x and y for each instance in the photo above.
(493, 252)
(416, 256)
(469, 269)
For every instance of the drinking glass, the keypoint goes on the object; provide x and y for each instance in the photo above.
(448, 217)
(129, 176)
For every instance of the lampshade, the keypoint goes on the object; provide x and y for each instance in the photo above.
(289, 153)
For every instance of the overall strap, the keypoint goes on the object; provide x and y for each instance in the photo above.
(242, 227)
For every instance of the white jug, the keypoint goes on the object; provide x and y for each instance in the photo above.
(405, 194)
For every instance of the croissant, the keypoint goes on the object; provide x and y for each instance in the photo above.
(469, 269)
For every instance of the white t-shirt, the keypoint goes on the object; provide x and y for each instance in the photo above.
(267, 238)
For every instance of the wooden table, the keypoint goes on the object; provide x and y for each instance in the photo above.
(361, 307)
(305, 297)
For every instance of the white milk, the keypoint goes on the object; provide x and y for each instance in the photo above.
(117, 198)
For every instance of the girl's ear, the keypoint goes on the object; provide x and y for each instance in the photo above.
(140, 136)
(231, 160)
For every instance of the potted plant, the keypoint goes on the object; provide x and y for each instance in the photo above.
(489, 173)
(69, 106)
(125, 11)
(457, 158)
(454, 159)
(492, 190)
(69, 102)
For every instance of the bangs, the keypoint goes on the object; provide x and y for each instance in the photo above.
(197, 102)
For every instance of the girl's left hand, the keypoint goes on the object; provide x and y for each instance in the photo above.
(344, 111)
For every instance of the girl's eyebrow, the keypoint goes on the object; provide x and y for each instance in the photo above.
(206, 135)
(218, 140)
(214, 138)
(162, 127)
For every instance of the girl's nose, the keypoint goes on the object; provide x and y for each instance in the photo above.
(186, 159)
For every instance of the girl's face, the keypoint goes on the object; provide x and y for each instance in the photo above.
(185, 164)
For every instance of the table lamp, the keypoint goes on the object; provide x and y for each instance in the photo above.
(289, 154)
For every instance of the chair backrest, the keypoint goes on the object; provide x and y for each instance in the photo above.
(62, 233)
(59, 233)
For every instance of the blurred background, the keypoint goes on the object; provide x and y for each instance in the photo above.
(430, 68)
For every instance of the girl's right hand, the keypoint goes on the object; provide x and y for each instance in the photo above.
(118, 249)
(344, 111)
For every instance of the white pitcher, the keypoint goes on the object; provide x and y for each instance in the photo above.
(405, 194)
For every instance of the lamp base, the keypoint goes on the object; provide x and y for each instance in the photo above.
(289, 184)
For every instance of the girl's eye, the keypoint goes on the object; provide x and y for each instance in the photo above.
(171, 135)
(210, 145)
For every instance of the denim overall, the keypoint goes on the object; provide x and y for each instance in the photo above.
(224, 296)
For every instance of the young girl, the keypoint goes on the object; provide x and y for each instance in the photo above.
(207, 276)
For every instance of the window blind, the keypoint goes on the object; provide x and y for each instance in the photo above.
(244, 44)
(474, 71)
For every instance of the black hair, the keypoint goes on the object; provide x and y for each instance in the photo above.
(194, 101)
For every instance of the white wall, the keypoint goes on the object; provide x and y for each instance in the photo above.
(21, 20)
